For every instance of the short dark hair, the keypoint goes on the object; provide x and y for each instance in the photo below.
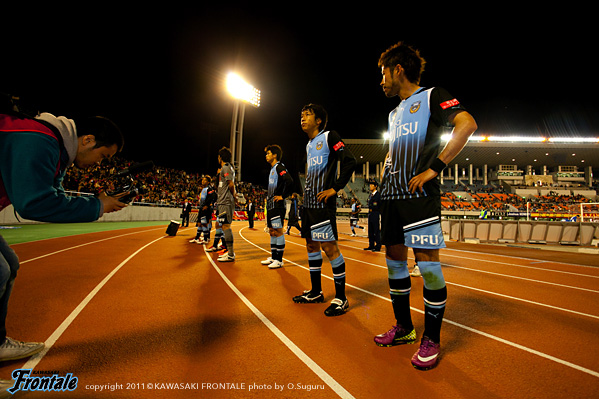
(275, 149)
(408, 57)
(105, 131)
(319, 113)
(225, 154)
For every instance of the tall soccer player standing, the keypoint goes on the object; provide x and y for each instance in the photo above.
(279, 187)
(226, 201)
(410, 194)
(319, 225)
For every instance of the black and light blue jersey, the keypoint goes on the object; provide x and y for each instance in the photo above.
(279, 183)
(415, 130)
(203, 195)
(323, 152)
(207, 196)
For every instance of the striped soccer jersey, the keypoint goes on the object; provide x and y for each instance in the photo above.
(323, 152)
(415, 130)
(279, 183)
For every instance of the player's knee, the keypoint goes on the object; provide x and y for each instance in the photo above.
(432, 275)
(397, 269)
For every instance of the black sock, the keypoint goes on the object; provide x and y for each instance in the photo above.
(315, 265)
(339, 277)
(400, 299)
(434, 308)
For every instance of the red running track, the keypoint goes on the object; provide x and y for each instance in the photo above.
(139, 314)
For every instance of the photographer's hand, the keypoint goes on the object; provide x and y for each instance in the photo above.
(111, 204)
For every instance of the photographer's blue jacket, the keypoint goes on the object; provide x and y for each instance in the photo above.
(34, 155)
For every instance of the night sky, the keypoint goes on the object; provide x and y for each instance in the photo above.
(159, 72)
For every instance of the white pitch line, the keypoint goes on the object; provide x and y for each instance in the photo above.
(323, 375)
(484, 334)
(35, 359)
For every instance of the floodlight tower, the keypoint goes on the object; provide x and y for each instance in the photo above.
(243, 93)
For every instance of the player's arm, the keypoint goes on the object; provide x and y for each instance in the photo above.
(347, 166)
(464, 125)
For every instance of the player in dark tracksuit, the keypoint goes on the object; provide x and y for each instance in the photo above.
(374, 218)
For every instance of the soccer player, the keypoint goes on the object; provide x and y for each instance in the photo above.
(207, 199)
(410, 193)
(354, 216)
(319, 225)
(226, 201)
(279, 187)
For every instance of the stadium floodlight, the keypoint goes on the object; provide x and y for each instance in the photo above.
(243, 93)
(241, 90)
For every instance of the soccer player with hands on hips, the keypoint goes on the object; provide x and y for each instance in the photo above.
(410, 194)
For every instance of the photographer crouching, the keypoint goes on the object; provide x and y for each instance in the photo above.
(34, 155)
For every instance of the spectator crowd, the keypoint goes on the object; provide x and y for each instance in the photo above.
(171, 187)
(158, 186)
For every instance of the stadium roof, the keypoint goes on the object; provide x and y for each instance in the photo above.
(479, 153)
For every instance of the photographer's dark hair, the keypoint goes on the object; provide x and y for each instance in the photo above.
(408, 57)
(319, 113)
(225, 154)
(106, 132)
(275, 150)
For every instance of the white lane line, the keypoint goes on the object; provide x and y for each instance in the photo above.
(480, 290)
(473, 330)
(83, 245)
(35, 359)
(486, 260)
(522, 278)
(323, 375)
(526, 300)
(519, 257)
(544, 269)
(507, 275)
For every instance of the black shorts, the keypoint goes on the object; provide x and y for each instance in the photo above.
(205, 217)
(275, 218)
(416, 223)
(319, 224)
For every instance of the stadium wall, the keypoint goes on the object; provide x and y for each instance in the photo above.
(128, 214)
(517, 231)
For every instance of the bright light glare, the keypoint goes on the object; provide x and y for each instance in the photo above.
(574, 140)
(512, 139)
(527, 139)
(241, 90)
(447, 137)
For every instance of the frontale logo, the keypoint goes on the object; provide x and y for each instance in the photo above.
(54, 383)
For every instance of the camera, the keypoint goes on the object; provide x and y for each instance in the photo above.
(124, 182)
